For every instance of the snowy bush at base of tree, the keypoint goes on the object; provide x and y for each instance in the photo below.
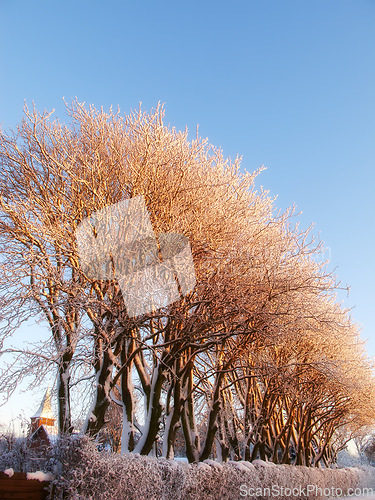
(87, 474)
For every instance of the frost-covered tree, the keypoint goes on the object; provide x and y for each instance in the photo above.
(258, 347)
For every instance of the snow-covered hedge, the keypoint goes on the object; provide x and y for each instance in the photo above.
(88, 474)
(82, 472)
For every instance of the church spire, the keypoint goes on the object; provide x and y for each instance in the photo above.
(44, 415)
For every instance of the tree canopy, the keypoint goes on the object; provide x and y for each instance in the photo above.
(258, 360)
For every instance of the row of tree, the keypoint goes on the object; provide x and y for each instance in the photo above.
(258, 360)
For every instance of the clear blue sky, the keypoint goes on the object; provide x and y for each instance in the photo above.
(289, 84)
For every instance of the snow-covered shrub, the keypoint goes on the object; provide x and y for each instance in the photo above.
(16, 453)
(83, 473)
(89, 474)
(202, 480)
(173, 478)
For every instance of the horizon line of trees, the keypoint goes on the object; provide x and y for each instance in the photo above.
(258, 361)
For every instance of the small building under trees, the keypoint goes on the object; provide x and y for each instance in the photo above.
(42, 428)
